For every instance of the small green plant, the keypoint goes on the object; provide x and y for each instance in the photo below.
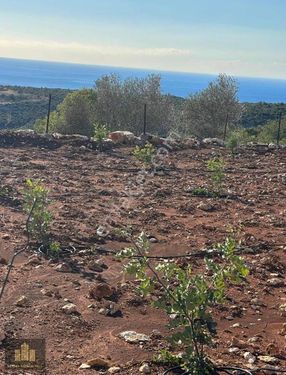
(100, 133)
(217, 166)
(232, 144)
(166, 357)
(5, 191)
(54, 248)
(202, 192)
(145, 154)
(187, 296)
(36, 206)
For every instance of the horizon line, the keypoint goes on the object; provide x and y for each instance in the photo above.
(142, 69)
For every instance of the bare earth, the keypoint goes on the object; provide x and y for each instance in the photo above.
(89, 190)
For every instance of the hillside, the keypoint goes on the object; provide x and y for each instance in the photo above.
(22, 106)
(257, 114)
(90, 189)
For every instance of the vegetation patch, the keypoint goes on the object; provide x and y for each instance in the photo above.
(187, 296)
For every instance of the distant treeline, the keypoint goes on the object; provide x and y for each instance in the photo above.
(22, 106)
(256, 114)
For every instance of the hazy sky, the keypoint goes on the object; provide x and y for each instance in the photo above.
(239, 37)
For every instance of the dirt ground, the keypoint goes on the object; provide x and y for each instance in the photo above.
(92, 192)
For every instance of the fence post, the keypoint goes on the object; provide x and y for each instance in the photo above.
(279, 128)
(225, 127)
(49, 111)
(145, 119)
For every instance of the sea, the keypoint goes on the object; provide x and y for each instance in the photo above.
(17, 72)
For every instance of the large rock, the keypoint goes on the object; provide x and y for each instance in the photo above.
(153, 139)
(100, 291)
(22, 301)
(249, 357)
(275, 282)
(268, 359)
(145, 369)
(63, 267)
(213, 142)
(114, 370)
(191, 143)
(122, 137)
(97, 363)
(70, 308)
(133, 337)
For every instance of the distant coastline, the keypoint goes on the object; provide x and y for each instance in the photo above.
(31, 73)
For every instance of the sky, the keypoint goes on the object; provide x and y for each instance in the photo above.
(237, 37)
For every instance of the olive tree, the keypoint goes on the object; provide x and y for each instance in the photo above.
(120, 104)
(206, 113)
(75, 115)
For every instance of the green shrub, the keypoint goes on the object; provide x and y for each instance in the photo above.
(145, 154)
(216, 167)
(202, 192)
(36, 206)
(188, 296)
(232, 143)
(166, 357)
(100, 133)
(268, 132)
(244, 136)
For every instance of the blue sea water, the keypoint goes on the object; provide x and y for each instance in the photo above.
(75, 76)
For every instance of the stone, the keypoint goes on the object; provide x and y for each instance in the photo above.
(145, 369)
(2, 335)
(191, 142)
(47, 292)
(100, 291)
(63, 267)
(122, 137)
(94, 266)
(103, 311)
(256, 302)
(238, 343)
(282, 308)
(84, 366)
(153, 139)
(113, 370)
(207, 207)
(234, 350)
(275, 282)
(69, 308)
(33, 260)
(254, 339)
(249, 357)
(6, 236)
(3, 261)
(229, 317)
(273, 146)
(22, 301)
(268, 359)
(98, 362)
(156, 334)
(213, 142)
(153, 240)
(114, 311)
(133, 337)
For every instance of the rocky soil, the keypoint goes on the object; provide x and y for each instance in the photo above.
(82, 303)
